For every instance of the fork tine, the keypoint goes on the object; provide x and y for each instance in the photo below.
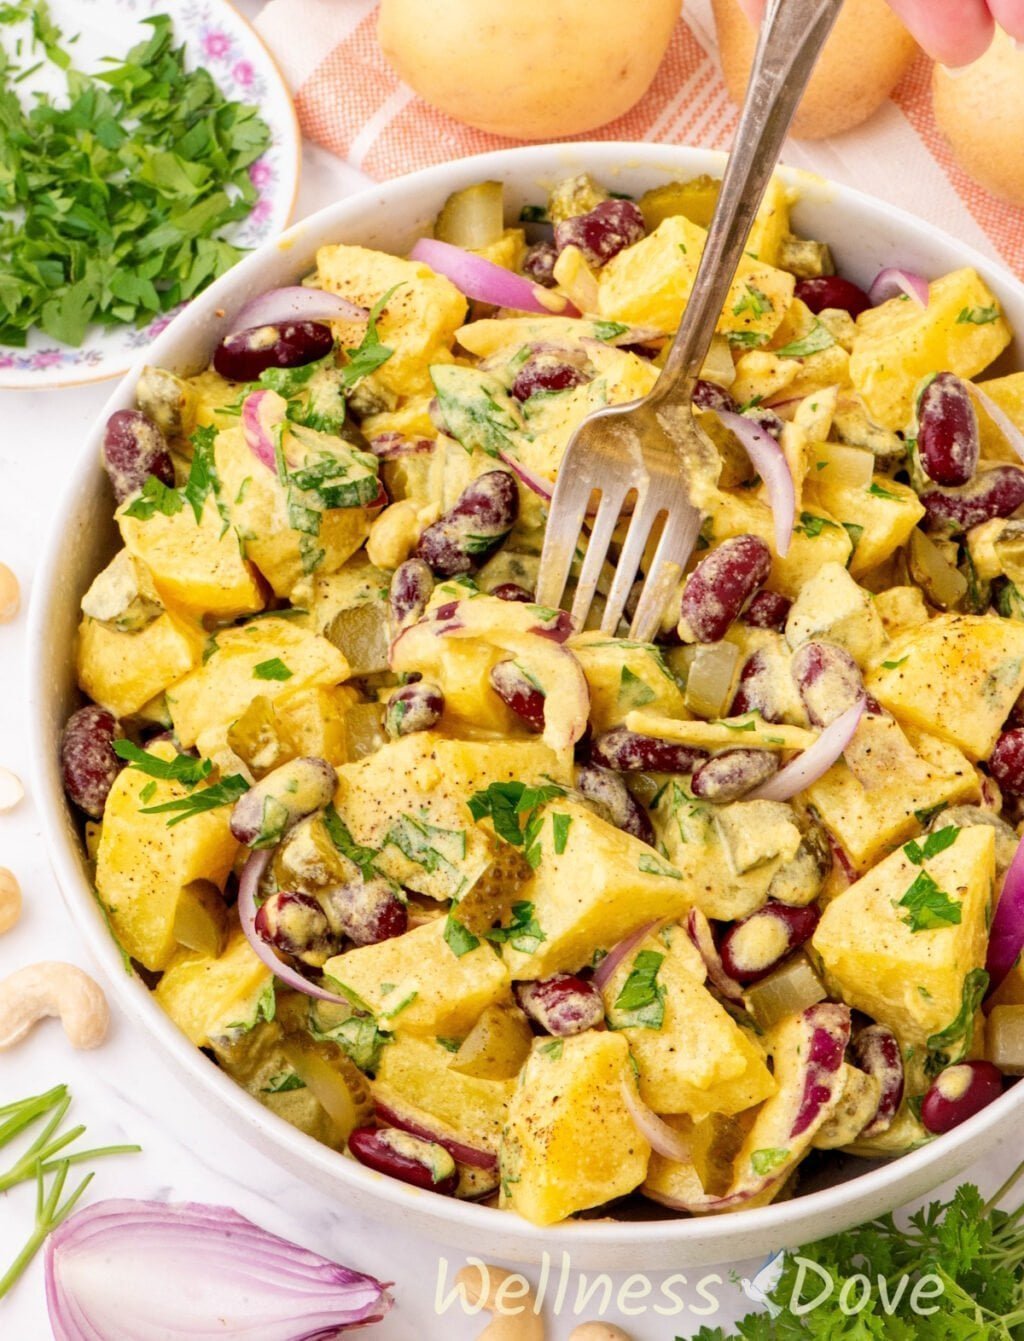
(597, 551)
(647, 509)
(561, 536)
(682, 526)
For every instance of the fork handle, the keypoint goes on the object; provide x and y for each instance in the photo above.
(793, 33)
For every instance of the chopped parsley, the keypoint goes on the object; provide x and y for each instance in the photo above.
(514, 810)
(977, 316)
(524, 932)
(338, 832)
(766, 1161)
(895, 665)
(811, 525)
(953, 1042)
(223, 793)
(746, 339)
(449, 1044)
(155, 497)
(283, 1083)
(370, 353)
(553, 1050)
(649, 864)
(929, 907)
(274, 669)
(609, 330)
(641, 1002)
(819, 337)
(752, 301)
(460, 939)
(560, 825)
(182, 768)
(634, 692)
(931, 847)
(878, 491)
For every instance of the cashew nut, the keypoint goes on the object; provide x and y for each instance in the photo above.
(51, 988)
(11, 790)
(10, 595)
(508, 1296)
(10, 899)
(598, 1331)
(393, 535)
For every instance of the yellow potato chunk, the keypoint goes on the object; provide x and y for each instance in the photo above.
(880, 517)
(211, 998)
(900, 342)
(123, 671)
(198, 569)
(832, 606)
(957, 677)
(1008, 394)
(602, 885)
(417, 983)
(143, 867)
(418, 323)
(243, 665)
(570, 1142)
(818, 537)
(475, 1108)
(313, 721)
(912, 774)
(912, 979)
(692, 1056)
(649, 283)
(624, 676)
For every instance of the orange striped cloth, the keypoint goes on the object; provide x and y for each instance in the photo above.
(349, 100)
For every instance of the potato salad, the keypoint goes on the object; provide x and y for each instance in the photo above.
(532, 914)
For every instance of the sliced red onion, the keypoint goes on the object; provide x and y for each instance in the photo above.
(462, 1154)
(391, 446)
(199, 1272)
(538, 484)
(815, 761)
(1006, 938)
(481, 279)
(770, 462)
(999, 417)
(699, 931)
(252, 874)
(892, 281)
(879, 1053)
(296, 302)
(262, 412)
(617, 954)
(662, 1138)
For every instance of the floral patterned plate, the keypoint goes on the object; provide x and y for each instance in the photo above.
(217, 37)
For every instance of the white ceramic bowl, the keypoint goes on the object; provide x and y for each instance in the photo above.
(865, 235)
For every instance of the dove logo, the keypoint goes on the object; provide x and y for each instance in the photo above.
(759, 1288)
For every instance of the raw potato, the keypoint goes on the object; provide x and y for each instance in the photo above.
(981, 113)
(863, 61)
(537, 70)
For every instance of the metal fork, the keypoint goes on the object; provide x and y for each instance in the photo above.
(653, 448)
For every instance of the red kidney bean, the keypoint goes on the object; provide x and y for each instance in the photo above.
(562, 1004)
(758, 689)
(628, 752)
(958, 1093)
(296, 924)
(87, 759)
(411, 585)
(133, 449)
(365, 911)
(604, 232)
(518, 692)
(878, 1052)
(408, 1158)
(539, 264)
(722, 583)
(768, 610)
(1006, 763)
(243, 355)
(711, 396)
(414, 707)
(753, 947)
(731, 774)
(482, 517)
(947, 431)
(279, 800)
(822, 291)
(512, 591)
(829, 680)
(991, 493)
(543, 372)
(608, 791)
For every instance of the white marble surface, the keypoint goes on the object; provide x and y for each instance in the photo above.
(123, 1091)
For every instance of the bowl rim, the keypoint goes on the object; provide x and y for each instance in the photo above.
(720, 1238)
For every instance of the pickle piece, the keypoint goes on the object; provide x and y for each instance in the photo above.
(201, 919)
(497, 1046)
(335, 1081)
(474, 217)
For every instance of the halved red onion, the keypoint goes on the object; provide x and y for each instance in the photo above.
(892, 281)
(195, 1271)
(770, 462)
(481, 279)
(248, 884)
(699, 931)
(658, 1134)
(296, 302)
(999, 417)
(617, 954)
(262, 412)
(1006, 938)
(815, 761)
(462, 1154)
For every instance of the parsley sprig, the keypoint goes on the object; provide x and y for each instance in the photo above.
(515, 811)
(182, 768)
(115, 196)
